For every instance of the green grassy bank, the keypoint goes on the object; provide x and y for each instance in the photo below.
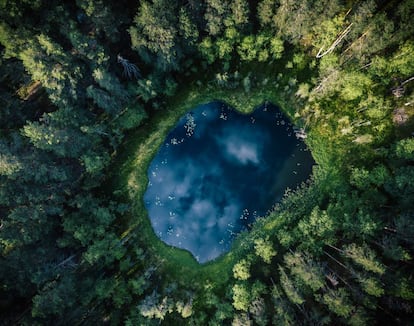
(130, 171)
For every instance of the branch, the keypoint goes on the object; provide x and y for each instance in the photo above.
(335, 43)
(130, 69)
(406, 81)
(67, 260)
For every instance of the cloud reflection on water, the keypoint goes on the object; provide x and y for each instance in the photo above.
(241, 146)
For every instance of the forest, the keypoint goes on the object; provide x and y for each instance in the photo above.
(90, 88)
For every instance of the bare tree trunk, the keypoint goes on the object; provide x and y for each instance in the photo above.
(338, 40)
(354, 42)
(406, 81)
(337, 249)
(67, 260)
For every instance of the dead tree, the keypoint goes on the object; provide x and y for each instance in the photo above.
(130, 69)
(400, 90)
(338, 40)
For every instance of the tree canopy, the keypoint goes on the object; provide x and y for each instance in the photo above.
(88, 90)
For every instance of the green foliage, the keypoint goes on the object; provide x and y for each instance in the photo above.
(363, 178)
(70, 250)
(224, 48)
(101, 14)
(132, 117)
(258, 310)
(276, 47)
(404, 225)
(403, 182)
(94, 163)
(91, 222)
(305, 270)
(337, 301)
(107, 249)
(365, 257)
(188, 29)
(400, 65)
(153, 307)
(327, 32)
(405, 149)
(48, 63)
(353, 85)
(284, 314)
(241, 270)
(185, 309)
(53, 301)
(260, 47)
(111, 96)
(298, 19)
(318, 229)
(289, 288)
(156, 30)
(266, 11)
(54, 134)
(9, 164)
(208, 50)
(264, 249)
(404, 289)
(241, 297)
(392, 249)
(247, 49)
(371, 286)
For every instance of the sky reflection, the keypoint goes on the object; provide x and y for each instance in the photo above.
(217, 171)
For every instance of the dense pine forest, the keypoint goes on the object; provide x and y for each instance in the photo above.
(88, 91)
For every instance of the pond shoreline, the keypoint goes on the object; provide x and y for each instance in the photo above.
(130, 180)
(249, 159)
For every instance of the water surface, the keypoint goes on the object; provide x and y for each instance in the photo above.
(217, 171)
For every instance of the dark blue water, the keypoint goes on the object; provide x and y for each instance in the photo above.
(217, 171)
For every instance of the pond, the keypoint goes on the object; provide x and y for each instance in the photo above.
(217, 171)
